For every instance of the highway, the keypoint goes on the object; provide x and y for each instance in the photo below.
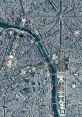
(43, 52)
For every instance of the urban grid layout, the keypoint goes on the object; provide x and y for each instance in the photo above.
(40, 58)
